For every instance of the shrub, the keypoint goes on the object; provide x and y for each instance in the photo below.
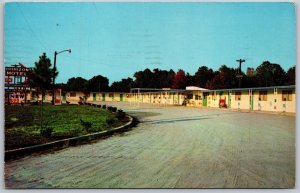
(109, 108)
(87, 125)
(114, 109)
(103, 106)
(46, 131)
(120, 114)
(111, 120)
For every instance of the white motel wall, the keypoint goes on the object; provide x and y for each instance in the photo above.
(272, 99)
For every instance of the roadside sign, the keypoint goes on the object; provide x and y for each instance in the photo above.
(8, 79)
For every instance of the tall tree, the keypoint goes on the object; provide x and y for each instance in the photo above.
(98, 84)
(217, 82)
(202, 76)
(190, 80)
(162, 78)
(291, 76)
(154, 79)
(229, 77)
(270, 74)
(144, 79)
(41, 78)
(77, 84)
(179, 81)
(122, 86)
(42, 75)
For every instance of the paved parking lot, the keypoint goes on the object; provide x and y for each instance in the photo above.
(172, 147)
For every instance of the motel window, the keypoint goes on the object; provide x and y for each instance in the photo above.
(287, 95)
(190, 96)
(196, 97)
(111, 95)
(238, 96)
(72, 94)
(262, 96)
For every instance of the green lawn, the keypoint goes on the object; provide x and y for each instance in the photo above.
(22, 123)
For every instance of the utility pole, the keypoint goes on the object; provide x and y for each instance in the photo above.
(240, 76)
(54, 70)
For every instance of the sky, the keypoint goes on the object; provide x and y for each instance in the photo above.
(117, 39)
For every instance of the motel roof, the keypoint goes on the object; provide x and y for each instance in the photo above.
(255, 88)
(193, 88)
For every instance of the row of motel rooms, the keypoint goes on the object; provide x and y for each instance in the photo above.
(275, 99)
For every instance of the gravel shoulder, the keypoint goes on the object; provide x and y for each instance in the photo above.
(172, 147)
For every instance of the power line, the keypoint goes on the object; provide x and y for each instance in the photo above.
(28, 24)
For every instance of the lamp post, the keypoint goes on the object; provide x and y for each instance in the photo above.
(54, 69)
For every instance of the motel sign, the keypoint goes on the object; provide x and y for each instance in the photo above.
(16, 85)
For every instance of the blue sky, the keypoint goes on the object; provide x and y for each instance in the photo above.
(117, 39)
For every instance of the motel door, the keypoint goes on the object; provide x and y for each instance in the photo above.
(121, 97)
(103, 97)
(94, 97)
(204, 101)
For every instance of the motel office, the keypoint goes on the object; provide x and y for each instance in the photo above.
(273, 99)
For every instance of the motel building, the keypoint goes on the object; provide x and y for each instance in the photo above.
(269, 99)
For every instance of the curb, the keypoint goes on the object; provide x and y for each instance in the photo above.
(64, 143)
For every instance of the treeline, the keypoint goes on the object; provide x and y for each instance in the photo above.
(266, 74)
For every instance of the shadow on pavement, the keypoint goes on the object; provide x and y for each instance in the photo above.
(165, 121)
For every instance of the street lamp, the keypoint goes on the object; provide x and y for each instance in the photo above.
(54, 69)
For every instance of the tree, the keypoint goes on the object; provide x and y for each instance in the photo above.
(228, 76)
(154, 79)
(41, 78)
(122, 86)
(202, 76)
(98, 84)
(42, 75)
(217, 82)
(179, 81)
(77, 84)
(190, 80)
(144, 79)
(270, 74)
(162, 78)
(291, 76)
